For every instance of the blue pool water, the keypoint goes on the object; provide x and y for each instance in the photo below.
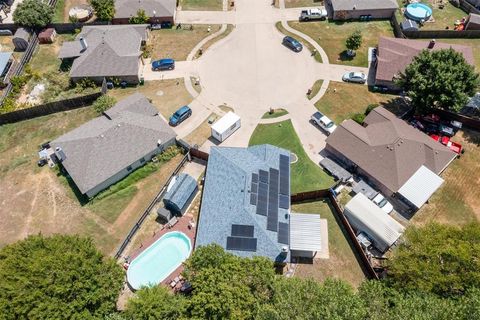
(159, 260)
(418, 11)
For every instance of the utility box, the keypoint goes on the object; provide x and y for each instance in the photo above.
(226, 126)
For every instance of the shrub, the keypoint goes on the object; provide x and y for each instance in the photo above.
(370, 108)
(33, 14)
(104, 9)
(140, 18)
(358, 118)
(354, 41)
(103, 103)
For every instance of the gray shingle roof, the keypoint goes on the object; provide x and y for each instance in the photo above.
(181, 191)
(104, 146)
(111, 51)
(226, 198)
(129, 8)
(363, 4)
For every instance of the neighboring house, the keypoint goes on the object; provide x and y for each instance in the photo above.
(112, 52)
(246, 206)
(353, 9)
(180, 193)
(106, 149)
(394, 55)
(391, 155)
(159, 11)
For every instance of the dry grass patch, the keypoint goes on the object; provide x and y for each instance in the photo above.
(211, 42)
(166, 95)
(200, 134)
(342, 263)
(177, 44)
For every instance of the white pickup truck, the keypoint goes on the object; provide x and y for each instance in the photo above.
(313, 14)
(323, 122)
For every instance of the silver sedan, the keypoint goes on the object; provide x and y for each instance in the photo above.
(357, 77)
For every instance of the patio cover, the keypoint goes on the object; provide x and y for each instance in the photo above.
(305, 232)
(420, 187)
(335, 169)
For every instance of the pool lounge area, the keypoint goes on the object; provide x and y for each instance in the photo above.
(160, 259)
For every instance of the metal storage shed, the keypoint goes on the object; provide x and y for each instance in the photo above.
(20, 39)
(164, 214)
(180, 193)
(226, 126)
(409, 25)
(365, 216)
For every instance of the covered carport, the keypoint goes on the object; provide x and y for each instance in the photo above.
(420, 187)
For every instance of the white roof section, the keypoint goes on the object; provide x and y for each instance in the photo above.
(365, 216)
(225, 122)
(420, 187)
(305, 232)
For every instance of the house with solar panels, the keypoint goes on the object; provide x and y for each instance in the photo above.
(246, 206)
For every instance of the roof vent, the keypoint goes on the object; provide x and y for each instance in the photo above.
(354, 7)
(431, 44)
(284, 249)
(159, 142)
(83, 43)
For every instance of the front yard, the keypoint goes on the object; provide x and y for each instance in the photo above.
(201, 5)
(331, 37)
(458, 200)
(166, 95)
(305, 175)
(37, 200)
(177, 44)
(342, 100)
(342, 263)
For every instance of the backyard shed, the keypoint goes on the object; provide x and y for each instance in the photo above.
(180, 193)
(365, 216)
(473, 22)
(20, 39)
(164, 214)
(420, 187)
(226, 126)
(305, 234)
(409, 25)
(47, 36)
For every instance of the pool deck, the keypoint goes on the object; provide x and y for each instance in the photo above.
(183, 226)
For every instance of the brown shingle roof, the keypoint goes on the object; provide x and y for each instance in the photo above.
(394, 55)
(389, 149)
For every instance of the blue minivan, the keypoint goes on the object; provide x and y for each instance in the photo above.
(292, 44)
(163, 64)
(180, 115)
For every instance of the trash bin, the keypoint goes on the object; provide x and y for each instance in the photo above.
(142, 81)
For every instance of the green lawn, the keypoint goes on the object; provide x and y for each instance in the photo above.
(315, 88)
(331, 37)
(275, 114)
(342, 262)
(59, 10)
(305, 175)
(303, 41)
(200, 5)
(352, 98)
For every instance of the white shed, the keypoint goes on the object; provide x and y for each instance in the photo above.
(305, 234)
(365, 216)
(223, 128)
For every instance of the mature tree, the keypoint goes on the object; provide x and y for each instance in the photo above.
(354, 41)
(307, 299)
(140, 18)
(227, 286)
(439, 79)
(103, 103)
(60, 277)
(155, 303)
(33, 14)
(104, 9)
(441, 259)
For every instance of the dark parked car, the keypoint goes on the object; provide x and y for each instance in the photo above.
(163, 64)
(292, 44)
(180, 115)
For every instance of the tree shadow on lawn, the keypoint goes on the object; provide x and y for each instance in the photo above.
(344, 56)
(471, 136)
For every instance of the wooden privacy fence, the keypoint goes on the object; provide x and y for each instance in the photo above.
(338, 212)
(466, 121)
(148, 210)
(199, 154)
(48, 108)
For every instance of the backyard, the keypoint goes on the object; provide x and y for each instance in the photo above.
(441, 18)
(342, 100)
(331, 36)
(166, 95)
(201, 5)
(177, 44)
(305, 175)
(37, 200)
(342, 262)
(458, 200)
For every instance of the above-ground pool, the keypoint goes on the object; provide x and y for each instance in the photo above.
(159, 260)
(418, 11)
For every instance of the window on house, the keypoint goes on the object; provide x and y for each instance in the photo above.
(233, 127)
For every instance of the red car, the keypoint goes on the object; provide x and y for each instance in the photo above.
(455, 147)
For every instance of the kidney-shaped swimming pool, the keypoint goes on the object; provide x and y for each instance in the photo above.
(159, 260)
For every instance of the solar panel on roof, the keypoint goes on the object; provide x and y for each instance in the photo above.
(283, 233)
(284, 201)
(242, 244)
(263, 176)
(242, 230)
(254, 187)
(254, 177)
(253, 199)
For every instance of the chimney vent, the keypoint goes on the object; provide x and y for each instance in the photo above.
(431, 44)
(83, 43)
